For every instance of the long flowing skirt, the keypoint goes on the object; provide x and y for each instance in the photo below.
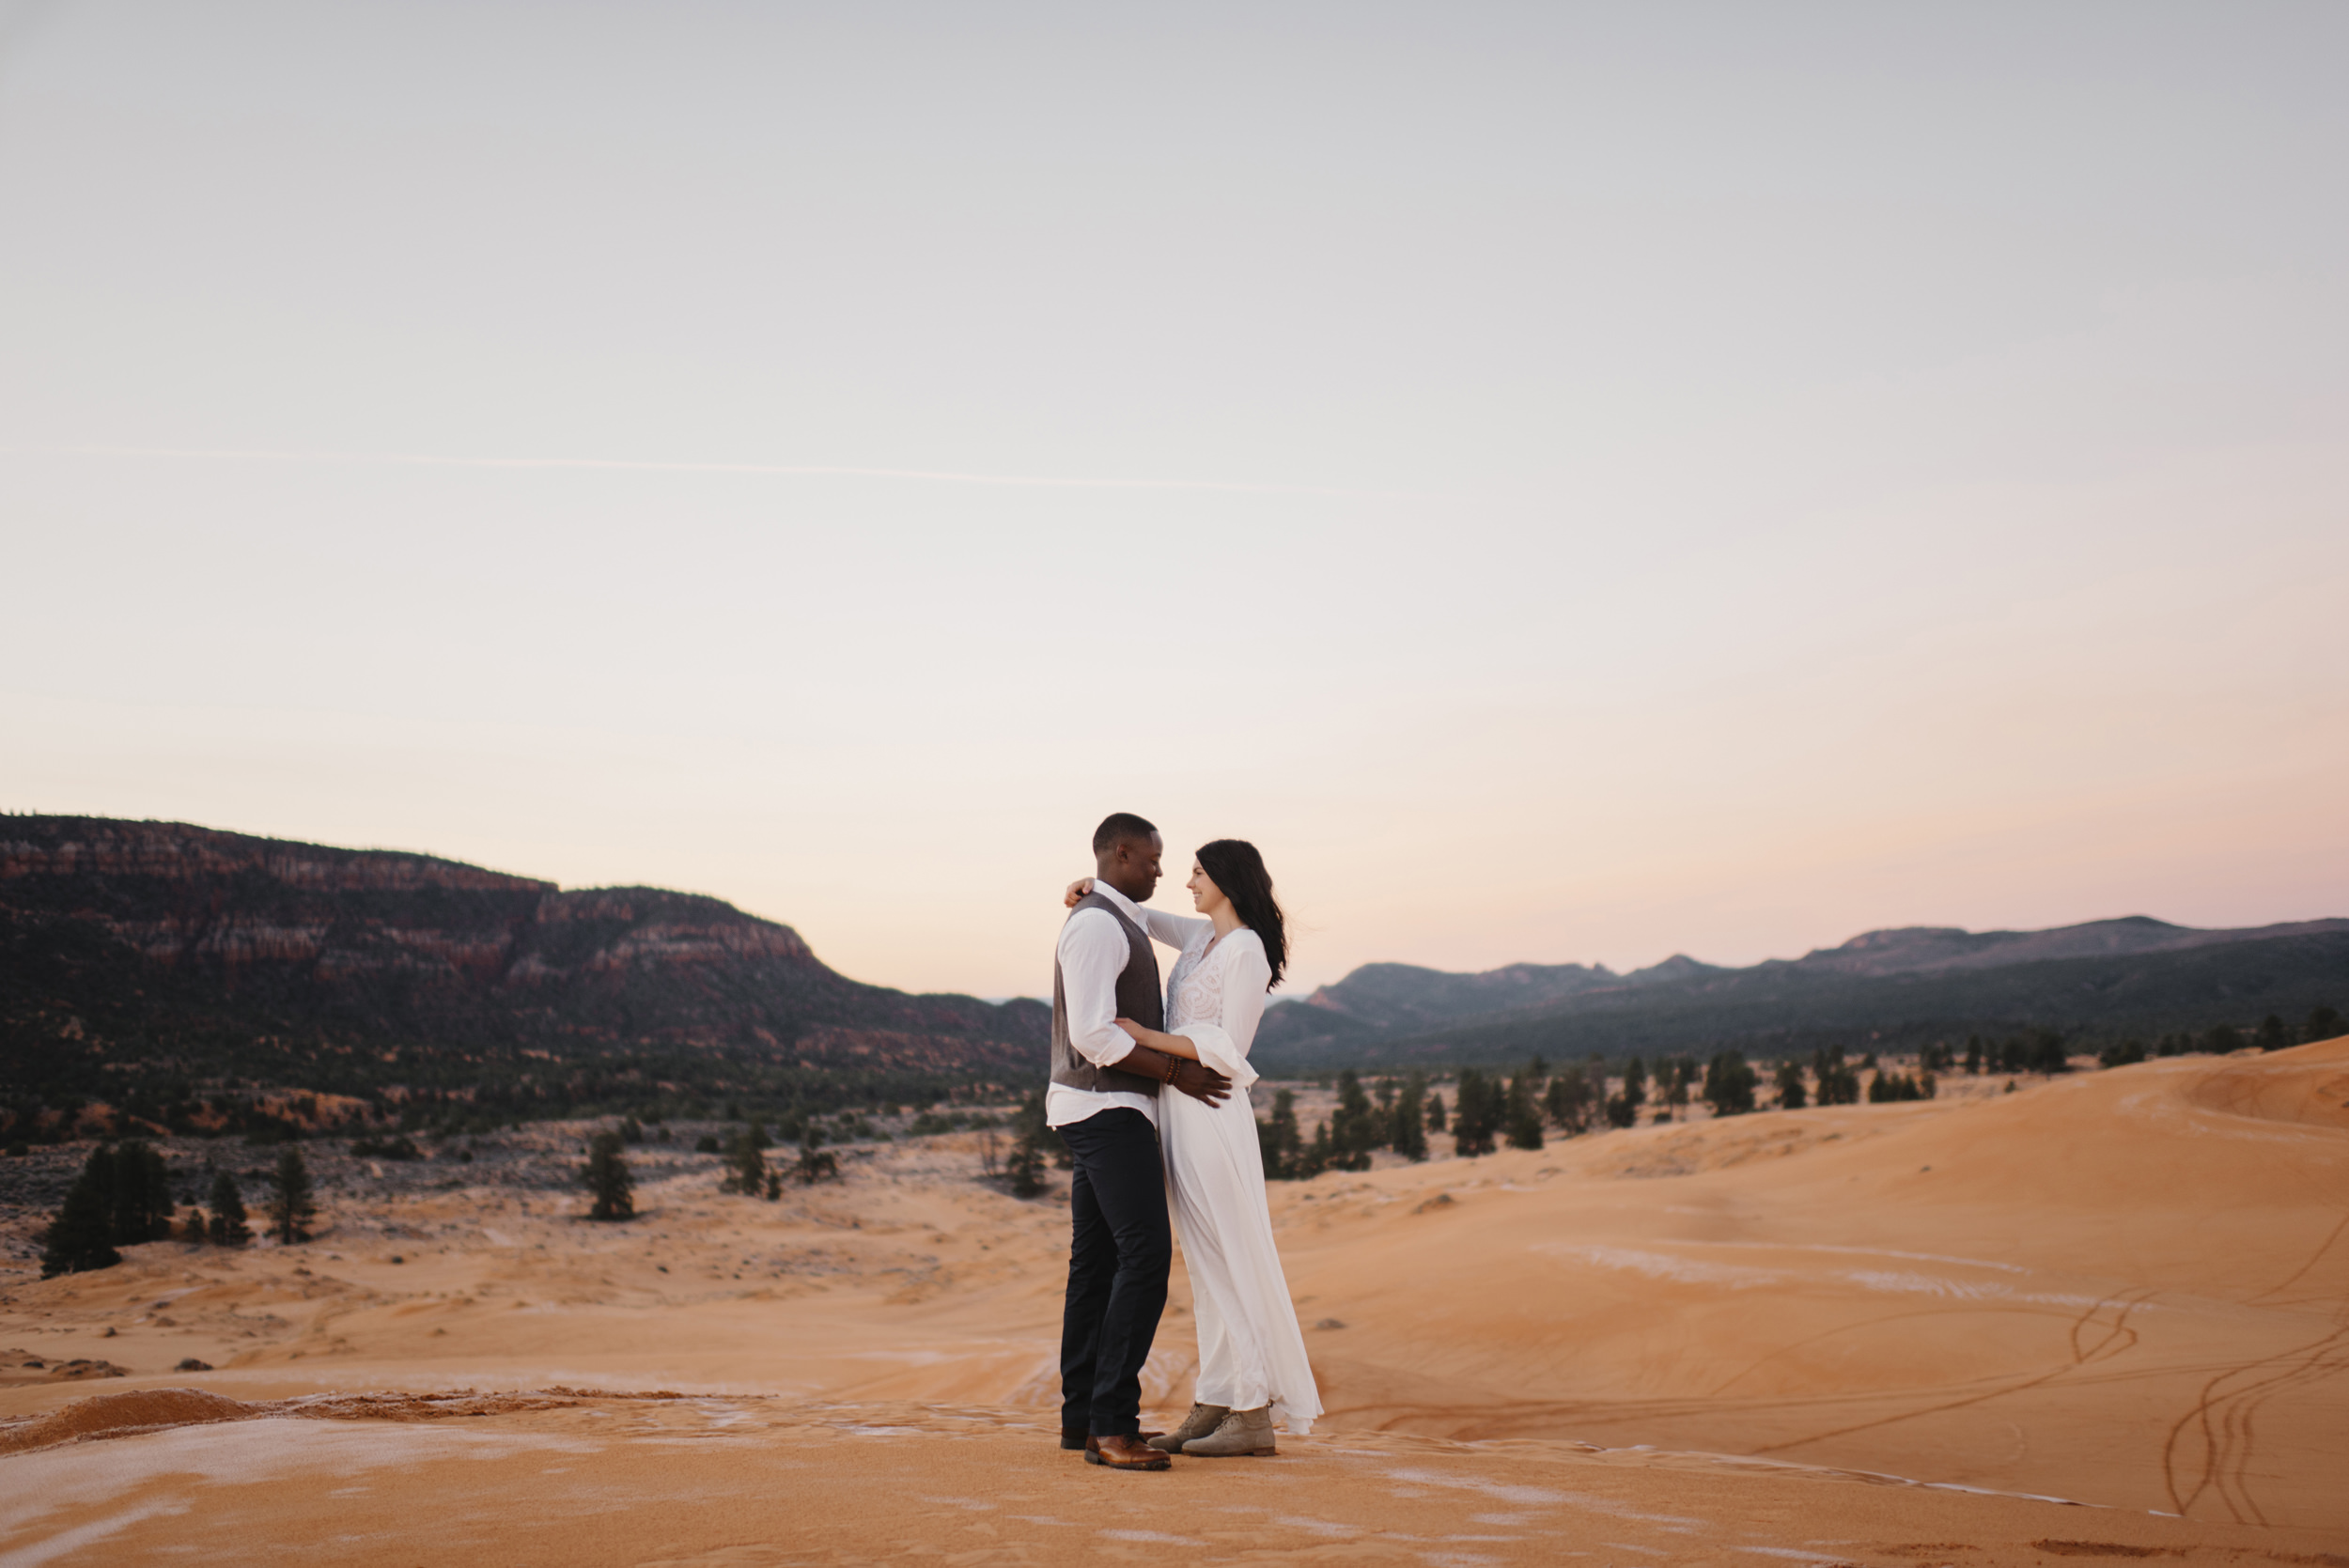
(1250, 1351)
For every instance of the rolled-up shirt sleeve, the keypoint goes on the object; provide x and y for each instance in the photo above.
(1093, 952)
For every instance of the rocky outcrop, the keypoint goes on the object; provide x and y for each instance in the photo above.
(355, 946)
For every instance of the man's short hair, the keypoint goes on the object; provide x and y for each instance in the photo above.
(1118, 827)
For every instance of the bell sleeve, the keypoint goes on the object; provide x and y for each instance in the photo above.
(1223, 1045)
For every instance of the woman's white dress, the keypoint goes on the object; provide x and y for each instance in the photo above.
(1250, 1352)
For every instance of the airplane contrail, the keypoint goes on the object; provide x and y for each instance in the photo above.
(416, 460)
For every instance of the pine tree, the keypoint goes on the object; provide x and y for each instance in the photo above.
(142, 1195)
(1973, 1055)
(1435, 1114)
(1675, 1079)
(1353, 1130)
(1568, 1101)
(1409, 1137)
(2273, 1033)
(291, 1205)
(1729, 1084)
(2046, 1054)
(2121, 1054)
(1477, 1108)
(746, 1162)
(81, 1237)
(2324, 1024)
(1891, 1088)
(816, 1164)
(1836, 1082)
(1791, 1094)
(606, 1176)
(228, 1227)
(1522, 1112)
(1623, 1107)
(1313, 1158)
(1277, 1139)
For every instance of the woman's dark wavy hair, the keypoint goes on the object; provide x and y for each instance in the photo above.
(1233, 865)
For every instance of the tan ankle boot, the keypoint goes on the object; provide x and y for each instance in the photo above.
(1240, 1432)
(1202, 1419)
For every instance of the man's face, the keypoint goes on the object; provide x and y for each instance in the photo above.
(1131, 866)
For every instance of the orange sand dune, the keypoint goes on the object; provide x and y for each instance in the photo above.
(2127, 1289)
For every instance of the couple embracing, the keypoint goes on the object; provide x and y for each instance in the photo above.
(1140, 1153)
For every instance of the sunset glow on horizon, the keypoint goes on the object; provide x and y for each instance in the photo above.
(1571, 487)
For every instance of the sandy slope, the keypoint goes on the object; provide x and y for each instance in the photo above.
(764, 1481)
(2130, 1289)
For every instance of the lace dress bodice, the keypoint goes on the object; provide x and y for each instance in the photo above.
(1195, 990)
(1216, 996)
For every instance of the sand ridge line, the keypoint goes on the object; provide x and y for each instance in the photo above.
(151, 1410)
(145, 1410)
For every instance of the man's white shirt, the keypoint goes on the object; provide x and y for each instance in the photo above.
(1094, 952)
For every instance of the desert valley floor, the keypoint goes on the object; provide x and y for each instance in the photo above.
(2105, 1316)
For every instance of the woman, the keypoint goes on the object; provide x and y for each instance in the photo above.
(1252, 1370)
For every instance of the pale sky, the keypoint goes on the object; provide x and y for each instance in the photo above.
(1572, 482)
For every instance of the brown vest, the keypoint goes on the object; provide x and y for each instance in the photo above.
(1138, 998)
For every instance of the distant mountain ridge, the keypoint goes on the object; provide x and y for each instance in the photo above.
(190, 950)
(1922, 949)
(157, 965)
(2131, 972)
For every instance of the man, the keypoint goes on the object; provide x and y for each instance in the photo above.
(1103, 1099)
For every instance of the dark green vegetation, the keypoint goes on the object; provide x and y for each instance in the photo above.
(2086, 987)
(1524, 1108)
(292, 1201)
(121, 1197)
(1392, 1115)
(228, 1227)
(204, 983)
(607, 1179)
(1032, 1140)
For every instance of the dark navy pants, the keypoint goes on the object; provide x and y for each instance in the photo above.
(1118, 1253)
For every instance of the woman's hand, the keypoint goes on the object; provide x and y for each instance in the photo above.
(1077, 889)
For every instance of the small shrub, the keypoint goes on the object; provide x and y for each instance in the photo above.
(606, 1177)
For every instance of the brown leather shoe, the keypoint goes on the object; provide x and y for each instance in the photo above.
(1074, 1438)
(1124, 1454)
